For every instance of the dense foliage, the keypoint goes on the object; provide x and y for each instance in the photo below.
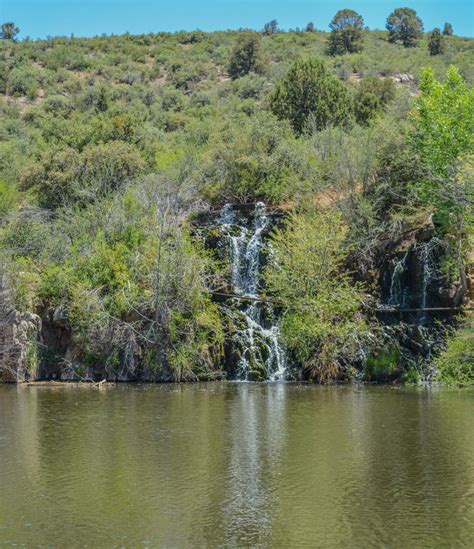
(109, 146)
(321, 325)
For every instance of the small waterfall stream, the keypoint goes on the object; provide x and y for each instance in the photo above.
(397, 291)
(430, 269)
(412, 275)
(256, 334)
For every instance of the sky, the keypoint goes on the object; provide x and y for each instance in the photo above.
(40, 18)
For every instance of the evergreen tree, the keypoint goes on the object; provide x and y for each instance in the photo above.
(436, 43)
(309, 93)
(346, 32)
(9, 31)
(448, 29)
(246, 56)
(271, 27)
(404, 26)
(310, 27)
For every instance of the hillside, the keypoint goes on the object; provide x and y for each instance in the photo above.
(116, 152)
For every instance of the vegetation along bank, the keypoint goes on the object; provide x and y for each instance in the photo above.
(346, 163)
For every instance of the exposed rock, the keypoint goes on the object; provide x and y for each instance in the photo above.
(18, 341)
(403, 78)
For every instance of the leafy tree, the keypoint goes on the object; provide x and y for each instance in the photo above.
(321, 326)
(310, 27)
(310, 93)
(271, 27)
(346, 32)
(9, 31)
(436, 43)
(246, 56)
(445, 120)
(448, 29)
(445, 140)
(404, 26)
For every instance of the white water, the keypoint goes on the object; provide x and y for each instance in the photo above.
(427, 251)
(245, 246)
(397, 292)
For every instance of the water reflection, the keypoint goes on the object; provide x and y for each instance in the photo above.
(256, 435)
(238, 464)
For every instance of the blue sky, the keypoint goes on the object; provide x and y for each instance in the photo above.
(39, 18)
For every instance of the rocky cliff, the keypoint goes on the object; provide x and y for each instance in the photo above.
(19, 338)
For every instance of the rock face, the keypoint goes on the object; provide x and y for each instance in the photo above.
(19, 335)
(410, 270)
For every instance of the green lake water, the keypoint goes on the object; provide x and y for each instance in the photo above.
(236, 465)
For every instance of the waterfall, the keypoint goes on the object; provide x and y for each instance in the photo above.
(413, 276)
(429, 270)
(397, 292)
(257, 335)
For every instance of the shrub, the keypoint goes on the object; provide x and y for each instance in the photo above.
(8, 199)
(372, 95)
(246, 55)
(257, 159)
(23, 82)
(383, 364)
(321, 326)
(309, 92)
(68, 177)
(456, 364)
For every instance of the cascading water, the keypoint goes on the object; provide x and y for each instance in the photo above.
(256, 337)
(397, 291)
(427, 253)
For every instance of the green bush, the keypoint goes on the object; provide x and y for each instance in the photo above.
(371, 97)
(23, 82)
(68, 177)
(246, 56)
(309, 95)
(455, 365)
(383, 365)
(8, 199)
(321, 327)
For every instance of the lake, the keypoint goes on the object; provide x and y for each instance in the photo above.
(236, 464)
